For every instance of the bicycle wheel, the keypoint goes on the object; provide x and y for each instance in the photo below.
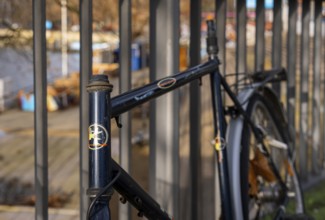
(262, 193)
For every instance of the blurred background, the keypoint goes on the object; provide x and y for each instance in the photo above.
(17, 140)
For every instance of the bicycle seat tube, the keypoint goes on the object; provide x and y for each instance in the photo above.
(99, 90)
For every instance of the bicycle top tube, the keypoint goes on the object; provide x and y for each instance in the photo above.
(126, 101)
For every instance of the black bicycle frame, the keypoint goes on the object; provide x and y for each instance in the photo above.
(126, 101)
(104, 172)
(103, 169)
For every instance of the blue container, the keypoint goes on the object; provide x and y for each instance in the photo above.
(27, 103)
(116, 55)
(136, 60)
(135, 57)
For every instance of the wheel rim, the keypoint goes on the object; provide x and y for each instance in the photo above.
(264, 190)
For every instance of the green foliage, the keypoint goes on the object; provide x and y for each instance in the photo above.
(315, 201)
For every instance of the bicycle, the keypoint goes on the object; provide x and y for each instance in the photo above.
(259, 180)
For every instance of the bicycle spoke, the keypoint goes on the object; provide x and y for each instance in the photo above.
(271, 176)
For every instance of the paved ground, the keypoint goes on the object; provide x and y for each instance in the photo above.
(28, 213)
(17, 161)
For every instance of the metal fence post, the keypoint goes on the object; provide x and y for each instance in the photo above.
(195, 111)
(221, 16)
(241, 38)
(260, 38)
(164, 138)
(152, 111)
(304, 88)
(323, 91)
(277, 41)
(85, 72)
(316, 159)
(291, 65)
(125, 85)
(40, 112)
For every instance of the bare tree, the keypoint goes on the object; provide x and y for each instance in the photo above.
(16, 14)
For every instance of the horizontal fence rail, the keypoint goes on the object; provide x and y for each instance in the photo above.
(291, 42)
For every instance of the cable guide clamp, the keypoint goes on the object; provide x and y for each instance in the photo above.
(92, 192)
(232, 111)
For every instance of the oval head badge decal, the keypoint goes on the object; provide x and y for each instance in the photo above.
(166, 83)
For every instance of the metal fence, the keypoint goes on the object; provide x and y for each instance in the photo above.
(300, 51)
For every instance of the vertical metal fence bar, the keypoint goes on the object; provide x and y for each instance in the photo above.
(64, 38)
(125, 85)
(85, 72)
(323, 91)
(221, 16)
(195, 111)
(40, 113)
(152, 110)
(241, 38)
(277, 41)
(317, 87)
(291, 65)
(304, 79)
(166, 58)
(260, 38)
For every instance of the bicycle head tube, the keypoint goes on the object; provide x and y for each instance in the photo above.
(99, 90)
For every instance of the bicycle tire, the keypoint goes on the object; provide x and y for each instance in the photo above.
(260, 191)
